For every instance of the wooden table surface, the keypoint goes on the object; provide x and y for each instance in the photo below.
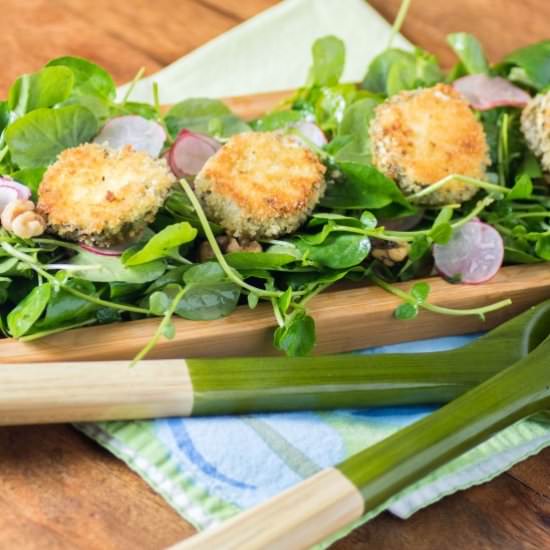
(58, 490)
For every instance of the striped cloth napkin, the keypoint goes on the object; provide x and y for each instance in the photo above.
(210, 469)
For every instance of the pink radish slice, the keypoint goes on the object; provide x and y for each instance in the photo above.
(190, 152)
(142, 134)
(10, 191)
(474, 254)
(311, 132)
(484, 92)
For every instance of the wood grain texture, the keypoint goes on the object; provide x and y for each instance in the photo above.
(345, 319)
(57, 489)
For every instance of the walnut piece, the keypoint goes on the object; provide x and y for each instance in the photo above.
(391, 253)
(20, 218)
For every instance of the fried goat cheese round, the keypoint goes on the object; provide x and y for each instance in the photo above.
(535, 125)
(419, 137)
(260, 185)
(102, 196)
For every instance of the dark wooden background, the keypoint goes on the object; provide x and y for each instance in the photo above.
(59, 490)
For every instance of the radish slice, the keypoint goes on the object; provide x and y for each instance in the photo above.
(142, 134)
(11, 190)
(484, 92)
(190, 152)
(100, 251)
(474, 254)
(311, 132)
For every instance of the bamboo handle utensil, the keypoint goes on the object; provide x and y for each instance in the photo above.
(309, 512)
(111, 390)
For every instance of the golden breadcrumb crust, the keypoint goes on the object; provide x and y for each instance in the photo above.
(261, 184)
(419, 137)
(102, 196)
(535, 125)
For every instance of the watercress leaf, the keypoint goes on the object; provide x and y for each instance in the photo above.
(368, 220)
(338, 251)
(534, 60)
(170, 277)
(355, 123)
(517, 256)
(406, 311)
(169, 330)
(542, 247)
(25, 314)
(470, 52)
(107, 269)
(284, 300)
(4, 115)
(42, 89)
(445, 215)
(419, 247)
(252, 300)
(276, 120)
(35, 139)
(297, 337)
(420, 292)
(163, 243)
(66, 309)
(5, 282)
(124, 290)
(321, 218)
(208, 301)
(441, 233)
(523, 188)
(208, 272)
(89, 79)
(395, 70)
(195, 114)
(329, 57)
(363, 187)
(158, 303)
(258, 260)
(145, 110)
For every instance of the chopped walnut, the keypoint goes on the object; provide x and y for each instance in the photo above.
(20, 218)
(391, 253)
(227, 245)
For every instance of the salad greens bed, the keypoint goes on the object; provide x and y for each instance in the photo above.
(48, 285)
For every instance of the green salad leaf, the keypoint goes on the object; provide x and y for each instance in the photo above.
(470, 52)
(89, 79)
(162, 244)
(27, 312)
(35, 139)
(329, 57)
(46, 88)
(534, 62)
(199, 114)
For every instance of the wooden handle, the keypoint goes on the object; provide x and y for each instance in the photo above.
(346, 319)
(297, 518)
(49, 393)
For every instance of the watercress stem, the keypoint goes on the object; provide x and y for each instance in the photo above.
(466, 179)
(33, 264)
(405, 296)
(229, 271)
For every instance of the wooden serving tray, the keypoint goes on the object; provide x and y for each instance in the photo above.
(347, 318)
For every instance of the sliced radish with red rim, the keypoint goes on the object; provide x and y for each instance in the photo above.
(311, 132)
(473, 255)
(485, 92)
(190, 152)
(11, 190)
(142, 134)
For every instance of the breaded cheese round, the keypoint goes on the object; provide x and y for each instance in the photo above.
(535, 125)
(260, 185)
(419, 137)
(102, 196)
